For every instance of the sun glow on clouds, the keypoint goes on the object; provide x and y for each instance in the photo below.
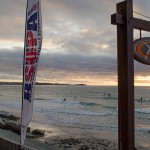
(84, 30)
(104, 46)
(9, 44)
(142, 80)
(76, 77)
(4, 77)
(50, 44)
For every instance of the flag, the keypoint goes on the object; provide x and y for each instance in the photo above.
(32, 49)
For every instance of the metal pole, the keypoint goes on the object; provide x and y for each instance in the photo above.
(23, 75)
(126, 127)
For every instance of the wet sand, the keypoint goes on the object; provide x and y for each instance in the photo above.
(68, 138)
(61, 139)
(64, 142)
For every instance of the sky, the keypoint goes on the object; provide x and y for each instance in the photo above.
(79, 42)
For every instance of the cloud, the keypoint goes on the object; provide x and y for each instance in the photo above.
(59, 65)
(56, 67)
(12, 16)
(79, 63)
(79, 42)
(142, 7)
(63, 21)
(69, 62)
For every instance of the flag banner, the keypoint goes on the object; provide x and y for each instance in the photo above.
(32, 49)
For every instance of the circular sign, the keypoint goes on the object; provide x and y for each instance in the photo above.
(142, 50)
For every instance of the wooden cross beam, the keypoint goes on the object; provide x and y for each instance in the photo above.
(117, 19)
(125, 25)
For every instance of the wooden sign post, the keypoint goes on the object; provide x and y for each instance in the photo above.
(125, 25)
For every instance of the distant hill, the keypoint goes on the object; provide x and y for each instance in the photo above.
(10, 83)
(38, 83)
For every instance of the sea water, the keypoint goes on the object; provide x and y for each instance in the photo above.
(84, 107)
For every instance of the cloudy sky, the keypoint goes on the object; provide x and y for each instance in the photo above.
(79, 42)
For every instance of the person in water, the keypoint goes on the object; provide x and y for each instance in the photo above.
(64, 99)
(141, 100)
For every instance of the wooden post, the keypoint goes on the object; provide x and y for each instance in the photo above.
(126, 128)
(126, 77)
(125, 25)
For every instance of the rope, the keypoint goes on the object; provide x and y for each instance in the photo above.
(141, 14)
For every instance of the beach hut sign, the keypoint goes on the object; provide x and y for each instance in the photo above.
(142, 50)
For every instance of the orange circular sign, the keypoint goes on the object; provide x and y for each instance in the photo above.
(142, 50)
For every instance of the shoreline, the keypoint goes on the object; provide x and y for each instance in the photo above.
(64, 143)
(67, 138)
(64, 133)
(54, 138)
(40, 83)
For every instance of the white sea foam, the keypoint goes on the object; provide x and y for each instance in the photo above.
(143, 110)
(10, 104)
(139, 129)
(81, 112)
(74, 102)
(63, 101)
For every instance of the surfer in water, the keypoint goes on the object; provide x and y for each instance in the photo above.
(141, 100)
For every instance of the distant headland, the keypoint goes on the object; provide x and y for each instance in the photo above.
(39, 83)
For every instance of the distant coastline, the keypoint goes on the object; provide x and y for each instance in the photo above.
(38, 83)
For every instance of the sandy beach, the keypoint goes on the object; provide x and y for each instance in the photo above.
(65, 138)
(56, 138)
(64, 142)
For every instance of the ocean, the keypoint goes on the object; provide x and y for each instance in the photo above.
(91, 108)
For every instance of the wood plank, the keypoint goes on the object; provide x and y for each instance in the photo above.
(117, 19)
(141, 24)
(9, 145)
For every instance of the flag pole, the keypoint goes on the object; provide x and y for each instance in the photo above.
(23, 72)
